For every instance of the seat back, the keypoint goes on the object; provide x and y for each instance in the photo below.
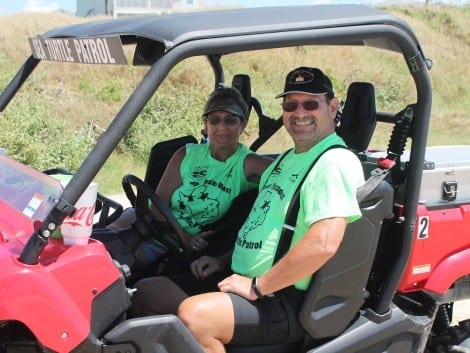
(242, 82)
(160, 155)
(338, 289)
(267, 126)
(358, 117)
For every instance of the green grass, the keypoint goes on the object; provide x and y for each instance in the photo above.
(119, 164)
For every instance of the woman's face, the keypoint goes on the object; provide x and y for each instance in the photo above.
(223, 128)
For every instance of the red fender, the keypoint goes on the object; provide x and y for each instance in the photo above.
(54, 297)
(448, 271)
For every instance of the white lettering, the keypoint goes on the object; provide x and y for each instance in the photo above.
(108, 53)
(59, 50)
(94, 51)
(38, 49)
(68, 52)
(102, 50)
(81, 48)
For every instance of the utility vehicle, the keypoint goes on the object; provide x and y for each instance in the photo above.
(392, 284)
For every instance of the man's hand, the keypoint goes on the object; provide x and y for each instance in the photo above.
(206, 266)
(199, 241)
(239, 285)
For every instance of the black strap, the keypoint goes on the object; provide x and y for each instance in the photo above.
(293, 210)
(377, 176)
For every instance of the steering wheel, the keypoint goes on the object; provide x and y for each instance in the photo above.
(143, 213)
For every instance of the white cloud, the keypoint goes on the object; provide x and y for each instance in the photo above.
(40, 6)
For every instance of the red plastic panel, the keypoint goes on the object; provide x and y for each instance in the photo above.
(441, 249)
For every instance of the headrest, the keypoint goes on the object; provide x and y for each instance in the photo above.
(243, 83)
(358, 118)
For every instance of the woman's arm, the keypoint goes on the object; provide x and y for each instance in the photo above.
(171, 179)
(255, 165)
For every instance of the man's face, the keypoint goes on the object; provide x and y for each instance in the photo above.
(308, 118)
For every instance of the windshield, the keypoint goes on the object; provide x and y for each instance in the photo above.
(27, 190)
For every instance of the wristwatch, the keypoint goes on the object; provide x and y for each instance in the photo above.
(254, 286)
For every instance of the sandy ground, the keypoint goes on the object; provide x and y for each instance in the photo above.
(461, 309)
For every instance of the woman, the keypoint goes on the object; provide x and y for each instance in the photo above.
(201, 180)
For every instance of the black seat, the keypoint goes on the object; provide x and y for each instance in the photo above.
(358, 117)
(338, 290)
(242, 82)
(267, 126)
(160, 155)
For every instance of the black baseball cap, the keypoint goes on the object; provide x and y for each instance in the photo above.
(227, 99)
(307, 80)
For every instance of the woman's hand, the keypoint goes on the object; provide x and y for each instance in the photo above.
(206, 266)
(199, 241)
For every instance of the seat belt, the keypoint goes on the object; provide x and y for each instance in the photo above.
(293, 210)
(384, 167)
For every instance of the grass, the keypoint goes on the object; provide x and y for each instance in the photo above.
(119, 164)
(63, 111)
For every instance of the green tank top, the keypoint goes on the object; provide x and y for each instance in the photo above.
(328, 191)
(208, 186)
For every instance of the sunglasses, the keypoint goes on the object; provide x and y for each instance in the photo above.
(291, 106)
(227, 120)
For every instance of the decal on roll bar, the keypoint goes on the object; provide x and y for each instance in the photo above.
(90, 50)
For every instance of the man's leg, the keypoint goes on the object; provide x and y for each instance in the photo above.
(210, 318)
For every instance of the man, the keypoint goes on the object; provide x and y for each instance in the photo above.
(260, 302)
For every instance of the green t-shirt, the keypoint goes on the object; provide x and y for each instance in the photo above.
(328, 191)
(208, 186)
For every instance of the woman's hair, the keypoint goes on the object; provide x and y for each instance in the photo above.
(227, 99)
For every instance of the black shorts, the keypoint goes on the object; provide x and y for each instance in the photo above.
(268, 320)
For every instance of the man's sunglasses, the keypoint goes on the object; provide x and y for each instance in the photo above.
(227, 120)
(291, 106)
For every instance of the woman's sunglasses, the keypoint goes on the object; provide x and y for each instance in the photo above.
(227, 120)
(291, 106)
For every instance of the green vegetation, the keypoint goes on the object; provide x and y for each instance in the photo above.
(60, 113)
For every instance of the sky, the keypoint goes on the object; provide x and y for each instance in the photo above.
(12, 6)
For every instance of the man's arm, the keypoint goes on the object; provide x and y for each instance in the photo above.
(316, 247)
